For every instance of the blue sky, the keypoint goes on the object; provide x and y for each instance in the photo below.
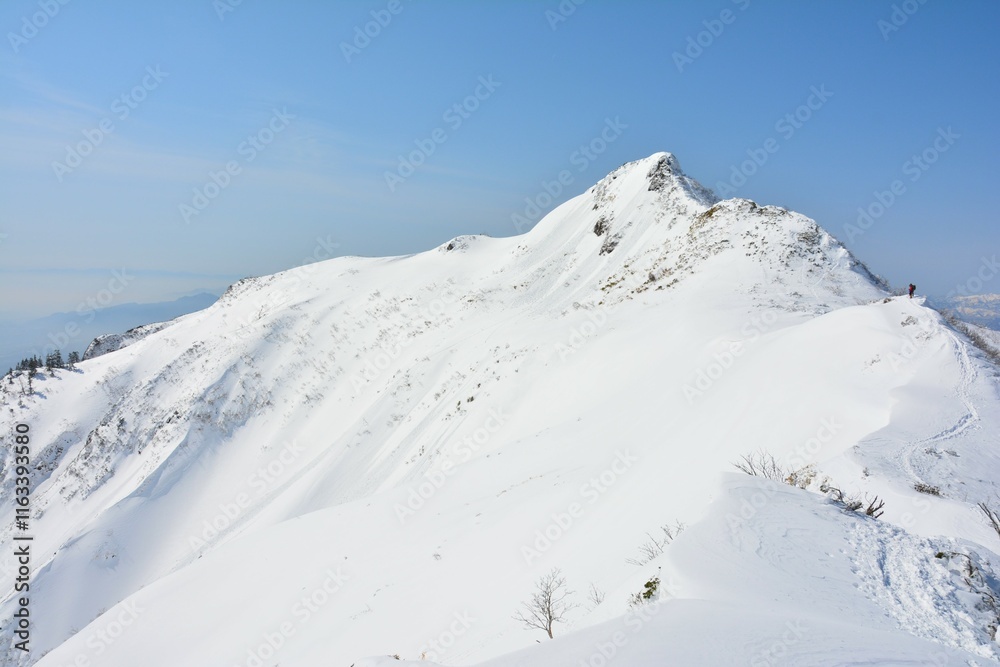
(300, 132)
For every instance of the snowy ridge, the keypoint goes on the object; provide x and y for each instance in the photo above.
(404, 438)
(647, 226)
(111, 342)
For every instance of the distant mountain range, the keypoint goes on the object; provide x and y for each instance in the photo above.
(981, 309)
(76, 330)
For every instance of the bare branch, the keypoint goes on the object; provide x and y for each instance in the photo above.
(874, 508)
(548, 605)
(656, 544)
(595, 595)
(762, 464)
(992, 516)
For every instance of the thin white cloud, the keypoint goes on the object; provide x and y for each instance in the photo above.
(40, 91)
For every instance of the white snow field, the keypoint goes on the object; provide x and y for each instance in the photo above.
(363, 458)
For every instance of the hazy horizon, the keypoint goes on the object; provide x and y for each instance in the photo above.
(193, 144)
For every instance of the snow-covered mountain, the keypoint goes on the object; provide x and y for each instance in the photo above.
(376, 457)
(77, 330)
(980, 309)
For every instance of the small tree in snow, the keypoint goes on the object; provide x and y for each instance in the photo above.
(548, 605)
(650, 590)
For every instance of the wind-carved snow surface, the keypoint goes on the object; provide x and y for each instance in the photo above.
(371, 457)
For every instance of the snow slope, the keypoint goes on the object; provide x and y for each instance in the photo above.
(365, 457)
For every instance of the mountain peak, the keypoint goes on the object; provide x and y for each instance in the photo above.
(667, 171)
(649, 226)
(660, 173)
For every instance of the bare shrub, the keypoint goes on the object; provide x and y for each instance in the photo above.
(595, 595)
(981, 343)
(992, 516)
(549, 604)
(853, 503)
(762, 464)
(874, 508)
(802, 477)
(656, 544)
